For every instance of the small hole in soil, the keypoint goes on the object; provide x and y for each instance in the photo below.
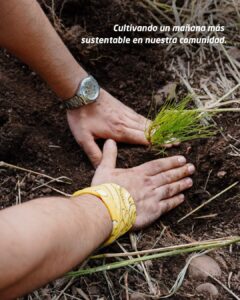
(3, 120)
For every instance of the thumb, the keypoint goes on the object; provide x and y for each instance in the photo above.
(92, 150)
(109, 156)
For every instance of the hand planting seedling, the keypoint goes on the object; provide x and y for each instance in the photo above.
(175, 123)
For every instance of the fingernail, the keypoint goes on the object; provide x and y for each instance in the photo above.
(182, 159)
(189, 182)
(181, 196)
(191, 169)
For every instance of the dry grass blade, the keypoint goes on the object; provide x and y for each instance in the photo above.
(218, 281)
(207, 202)
(153, 6)
(62, 179)
(126, 285)
(151, 287)
(183, 272)
(219, 110)
(180, 278)
(65, 288)
(206, 216)
(163, 249)
(235, 151)
(196, 99)
(224, 286)
(129, 262)
(224, 97)
(58, 191)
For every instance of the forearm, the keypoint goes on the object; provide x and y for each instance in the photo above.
(27, 33)
(44, 238)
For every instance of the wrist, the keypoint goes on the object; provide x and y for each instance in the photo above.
(120, 205)
(87, 93)
(97, 214)
(66, 89)
(74, 113)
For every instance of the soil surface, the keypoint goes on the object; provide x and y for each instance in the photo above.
(34, 134)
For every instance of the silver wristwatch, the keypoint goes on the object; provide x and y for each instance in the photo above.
(87, 92)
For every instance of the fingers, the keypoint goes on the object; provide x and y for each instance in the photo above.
(134, 120)
(173, 175)
(167, 145)
(133, 129)
(169, 204)
(142, 126)
(137, 117)
(109, 156)
(92, 150)
(163, 164)
(169, 190)
(133, 136)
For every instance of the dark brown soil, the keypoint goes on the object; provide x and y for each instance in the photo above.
(34, 134)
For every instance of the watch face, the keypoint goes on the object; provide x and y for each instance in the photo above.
(89, 89)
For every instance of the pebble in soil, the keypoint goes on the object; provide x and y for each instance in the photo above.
(208, 289)
(203, 265)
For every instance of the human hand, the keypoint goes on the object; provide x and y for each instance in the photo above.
(155, 186)
(106, 118)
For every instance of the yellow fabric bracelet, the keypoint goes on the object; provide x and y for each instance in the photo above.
(120, 205)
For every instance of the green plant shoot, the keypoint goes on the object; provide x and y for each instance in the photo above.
(175, 123)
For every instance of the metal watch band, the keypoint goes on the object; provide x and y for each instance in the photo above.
(75, 102)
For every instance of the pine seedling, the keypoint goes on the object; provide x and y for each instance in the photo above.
(175, 123)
